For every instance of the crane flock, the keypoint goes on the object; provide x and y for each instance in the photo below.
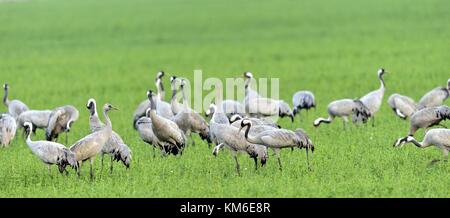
(241, 127)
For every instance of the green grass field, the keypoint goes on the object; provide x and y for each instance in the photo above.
(54, 53)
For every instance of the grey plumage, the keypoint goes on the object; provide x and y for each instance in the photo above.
(428, 117)
(235, 141)
(303, 100)
(140, 111)
(345, 108)
(115, 147)
(258, 106)
(403, 106)
(374, 99)
(15, 107)
(255, 122)
(145, 130)
(229, 107)
(218, 117)
(163, 108)
(61, 120)
(278, 139)
(8, 128)
(435, 97)
(223, 134)
(439, 138)
(190, 121)
(38, 118)
(90, 146)
(232, 107)
(266, 107)
(165, 129)
(51, 153)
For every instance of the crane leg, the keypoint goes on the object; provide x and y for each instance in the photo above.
(67, 138)
(111, 167)
(256, 163)
(238, 167)
(446, 155)
(307, 159)
(278, 155)
(91, 170)
(49, 168)
(373, 121)
(80, 164)
(192, 139)
(102, 157)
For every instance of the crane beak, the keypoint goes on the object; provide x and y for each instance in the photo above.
(114, 108)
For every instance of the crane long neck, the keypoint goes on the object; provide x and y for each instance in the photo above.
(29, 136)
(5, 97)
(218, 102)
(247, 87)
(108, 121)
(416, 143)
(185, 101)
(174, 94)
(250, 138)
(94, 111)
(383, 84)
(29, 142)
(160, 87)
(152, 103)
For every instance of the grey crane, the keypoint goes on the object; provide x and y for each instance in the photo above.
(278, 139)
(435, 97)
(87, 148)
(403, 106)
(218, 116)
(258, 106)
(61, 120)
(165, 129)
(161, 91)
(374, 99)
(303, 100)
(190, 121)
(15, 107)
(51, 153)
(38, 118)
(345, 108)
(258, 126)
(223, 134)
(235, 141)
(8, 129)
(115, 147)
(434, 137)
(427, 118)
(163, 109)
(145, 129)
